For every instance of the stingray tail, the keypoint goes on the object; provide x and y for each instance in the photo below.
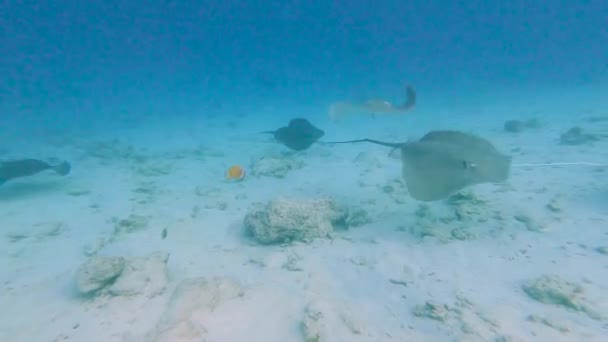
(377, 142)
(62, 169)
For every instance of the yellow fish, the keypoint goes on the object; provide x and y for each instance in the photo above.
(235, 173)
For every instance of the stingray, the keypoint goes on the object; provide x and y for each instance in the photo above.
(12, 169)
(374, 106)
(442, 163)
(298, 135)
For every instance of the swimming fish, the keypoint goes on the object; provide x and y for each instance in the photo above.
(28, 167)
(235, 172)
(373, 106)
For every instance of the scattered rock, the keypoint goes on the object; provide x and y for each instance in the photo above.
(78, 192)
(406, 276)
(114, 150)
(531, 224)
(95, 246)
(144, 275)
(554, 290)
(357, 217)
(602, 250)
(219, 205)
(508, 338)
(462, 234)
(462, 318)
(427, 223)
(119, 276)
(465, 198)
(97, 273)
(293, 262)
(213, 192)
(325, 322)
(555, 205)
(575, 136)
(516, 126)
(396, 190)
(285, 220)
(456, 220)
(533, 123)
(182, 320)
(313, 327)
(50, 230)
(468, 208)
(153, 169)
(369, 161)
(596, 119)
(145, 192)
(14, 237)
(561, 327)
(41, 232)
(131, 224)
(431, 310)
(274, 167)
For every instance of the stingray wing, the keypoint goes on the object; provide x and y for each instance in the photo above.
(488, 163)
(431, 173)
(299, 135)
(442, 163)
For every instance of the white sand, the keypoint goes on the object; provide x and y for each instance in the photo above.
(367, 281)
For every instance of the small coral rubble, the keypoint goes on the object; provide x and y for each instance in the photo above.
(551, 289)
(119, 276)
(285, 220)
(274, 166)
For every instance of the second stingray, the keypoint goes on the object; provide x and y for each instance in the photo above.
(442, 163)
(298, 135)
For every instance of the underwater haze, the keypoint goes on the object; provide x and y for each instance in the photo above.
(170, 170)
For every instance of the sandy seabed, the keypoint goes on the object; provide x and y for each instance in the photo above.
(145, 240)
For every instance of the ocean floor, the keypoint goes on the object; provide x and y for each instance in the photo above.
(147, 241)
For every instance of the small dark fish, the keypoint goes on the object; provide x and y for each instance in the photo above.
(12, 169)
(164, 233)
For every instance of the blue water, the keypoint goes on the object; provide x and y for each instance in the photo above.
(86, 56)
(180, 74)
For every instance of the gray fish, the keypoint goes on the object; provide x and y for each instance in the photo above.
(28, 167)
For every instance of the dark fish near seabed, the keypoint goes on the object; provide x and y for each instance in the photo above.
(12, 169)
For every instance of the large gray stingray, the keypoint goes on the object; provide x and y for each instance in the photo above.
(444, 162)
